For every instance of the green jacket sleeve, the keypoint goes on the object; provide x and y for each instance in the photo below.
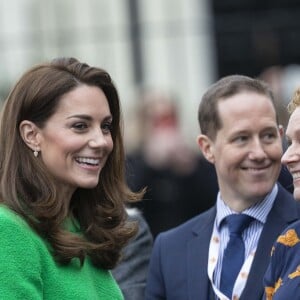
(20, 268)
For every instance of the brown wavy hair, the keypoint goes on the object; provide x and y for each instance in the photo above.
(27, 187)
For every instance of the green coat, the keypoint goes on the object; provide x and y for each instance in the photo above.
(28, 270)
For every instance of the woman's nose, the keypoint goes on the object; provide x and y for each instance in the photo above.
(292, 154)
(97, 139)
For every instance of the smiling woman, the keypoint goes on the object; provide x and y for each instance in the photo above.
(62, 184)
(282, 277)
(76, 140)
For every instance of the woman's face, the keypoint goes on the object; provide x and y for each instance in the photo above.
(76, 140)
(291, 157)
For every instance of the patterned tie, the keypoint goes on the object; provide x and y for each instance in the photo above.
(234, 254)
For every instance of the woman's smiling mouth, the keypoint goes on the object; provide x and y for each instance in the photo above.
(88, 161)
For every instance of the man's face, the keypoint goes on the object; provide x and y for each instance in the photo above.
(247, 149)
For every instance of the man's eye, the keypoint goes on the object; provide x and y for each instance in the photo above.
(270, 136)
(241, 139)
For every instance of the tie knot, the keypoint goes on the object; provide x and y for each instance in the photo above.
(238, 222)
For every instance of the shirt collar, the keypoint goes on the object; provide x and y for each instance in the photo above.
(258, 211)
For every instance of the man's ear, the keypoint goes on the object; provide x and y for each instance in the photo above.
(281, 130)
(206, 146)
(29, 133)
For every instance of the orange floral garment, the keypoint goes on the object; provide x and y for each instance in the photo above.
(282, 278)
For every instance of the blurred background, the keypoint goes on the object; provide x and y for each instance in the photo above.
(165, 45)
(162, 55)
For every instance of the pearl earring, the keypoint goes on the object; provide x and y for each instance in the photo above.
(35, 153)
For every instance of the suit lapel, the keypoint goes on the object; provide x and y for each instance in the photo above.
(197, 257)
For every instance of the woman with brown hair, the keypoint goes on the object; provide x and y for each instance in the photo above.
(63, 222)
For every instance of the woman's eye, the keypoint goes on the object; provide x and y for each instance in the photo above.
(107, 127)
(79, 126)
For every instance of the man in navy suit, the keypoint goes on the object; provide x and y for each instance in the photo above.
(241, 136)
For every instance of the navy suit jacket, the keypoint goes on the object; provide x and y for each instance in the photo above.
(178, 265)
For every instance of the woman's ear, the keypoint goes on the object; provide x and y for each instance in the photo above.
(29, 133)
(206, 146)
